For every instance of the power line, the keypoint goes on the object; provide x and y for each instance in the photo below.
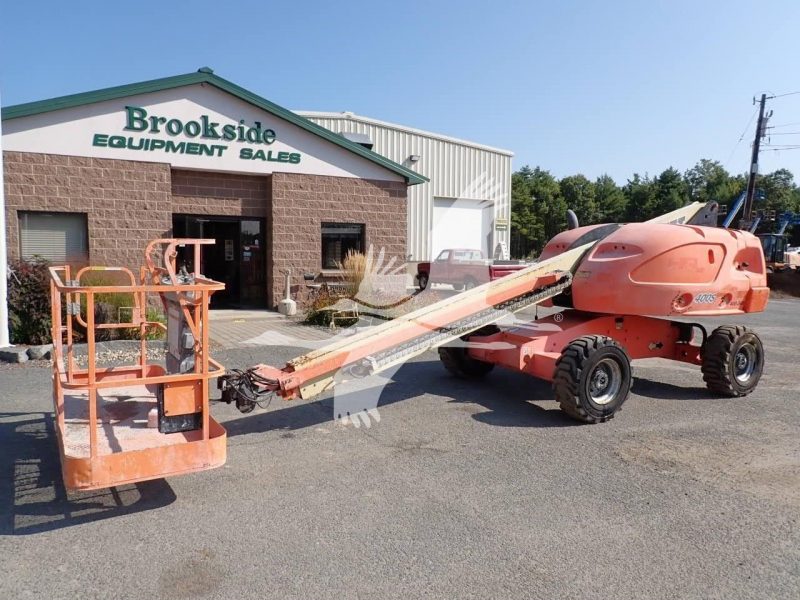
(784, 125)
(786, 94)
(741, 137)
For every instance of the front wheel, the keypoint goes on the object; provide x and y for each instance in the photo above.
(733, 360)
(592, 378)
(456, 359)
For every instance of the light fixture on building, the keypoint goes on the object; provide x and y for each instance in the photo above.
(413, 158)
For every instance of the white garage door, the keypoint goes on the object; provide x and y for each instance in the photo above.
(461, 224)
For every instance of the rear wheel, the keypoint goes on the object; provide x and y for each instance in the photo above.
(422, 281)
(733, 360)
(470, 283)
(592, 378)
(458, 362)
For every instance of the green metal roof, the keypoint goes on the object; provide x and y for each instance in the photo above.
(206, 75)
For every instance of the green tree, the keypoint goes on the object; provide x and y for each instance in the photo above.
(671, 191)
(548, 204)
(780, 192)
(539, 202)
(538, 211)
(640, 193)
(579, 195)
(708, 180)
(610, 199)
(526, 225)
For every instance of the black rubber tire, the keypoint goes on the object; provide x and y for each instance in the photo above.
(574, 368)
(458, 286)
(456, 360)
(470, 283)
(422, 281)
(720, 354)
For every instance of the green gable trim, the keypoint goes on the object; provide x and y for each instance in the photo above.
(205, 76)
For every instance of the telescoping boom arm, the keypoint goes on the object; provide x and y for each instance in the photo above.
(378, 348)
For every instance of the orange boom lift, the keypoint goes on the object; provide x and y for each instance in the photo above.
(629, 291)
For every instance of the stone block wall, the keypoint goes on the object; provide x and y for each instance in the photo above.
(301, 203)
(220, 194)
(127, 203)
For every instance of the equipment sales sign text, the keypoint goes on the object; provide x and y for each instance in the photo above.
(139, 121)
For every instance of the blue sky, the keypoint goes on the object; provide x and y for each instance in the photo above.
(575, 87)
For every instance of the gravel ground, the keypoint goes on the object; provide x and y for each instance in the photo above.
(462, 490)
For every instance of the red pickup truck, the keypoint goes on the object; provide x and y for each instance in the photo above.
(464, 269)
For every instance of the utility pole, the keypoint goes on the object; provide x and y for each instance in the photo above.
(761, 128)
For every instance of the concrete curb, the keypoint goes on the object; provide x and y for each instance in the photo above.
(21, 354)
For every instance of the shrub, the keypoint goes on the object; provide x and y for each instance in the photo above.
(29, 301)
(371, 286)
(117, 307)
(353, 269)
(153, 333)
(374, 294)
(316, 313)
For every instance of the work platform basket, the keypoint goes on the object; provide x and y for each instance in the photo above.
(142, 419)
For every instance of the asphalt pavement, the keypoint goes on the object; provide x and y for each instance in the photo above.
(461, 490)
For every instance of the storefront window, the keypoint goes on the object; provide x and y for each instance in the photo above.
(337, 240)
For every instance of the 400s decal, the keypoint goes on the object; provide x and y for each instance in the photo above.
(705, 298)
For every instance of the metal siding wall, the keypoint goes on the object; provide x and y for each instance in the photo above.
(453, 170)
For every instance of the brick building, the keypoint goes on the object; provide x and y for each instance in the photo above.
(91, 178)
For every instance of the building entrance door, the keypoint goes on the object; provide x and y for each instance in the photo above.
(237, 259)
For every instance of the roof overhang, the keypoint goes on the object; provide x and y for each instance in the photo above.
(206, 76)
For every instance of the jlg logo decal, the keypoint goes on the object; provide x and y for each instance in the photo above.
(705, 298)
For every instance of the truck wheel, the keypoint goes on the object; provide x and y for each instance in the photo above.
(733, 360)
(458, 362)
(470, 283)
(422, 282)
(592, 378)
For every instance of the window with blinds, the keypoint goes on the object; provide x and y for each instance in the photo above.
(337, 240)
(58, 237)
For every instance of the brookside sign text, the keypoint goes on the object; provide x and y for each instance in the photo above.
(139, 120)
